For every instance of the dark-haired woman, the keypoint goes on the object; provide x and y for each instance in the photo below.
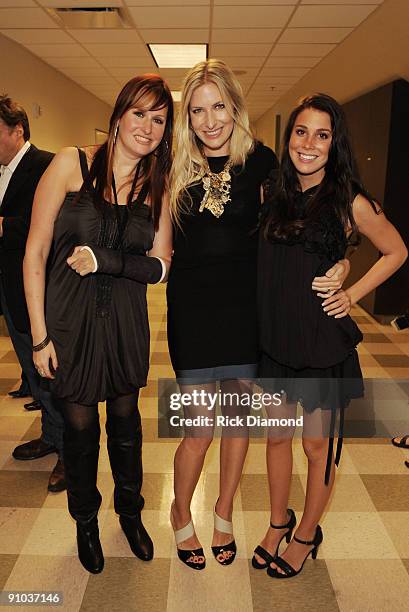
(308, 340)
(105, 210)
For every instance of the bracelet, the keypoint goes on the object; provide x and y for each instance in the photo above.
(43, 344)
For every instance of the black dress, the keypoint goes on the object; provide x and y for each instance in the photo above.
(98, 323)
(304, 352)
(212, 310)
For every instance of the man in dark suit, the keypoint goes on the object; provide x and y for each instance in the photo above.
(22, 166)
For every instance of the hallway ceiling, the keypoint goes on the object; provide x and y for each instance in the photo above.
(270, 44)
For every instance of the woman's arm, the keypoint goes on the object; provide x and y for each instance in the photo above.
(48, 199)
(387, 240)
(151, 269)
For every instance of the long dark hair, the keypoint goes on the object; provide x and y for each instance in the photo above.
(340, 185)
(155, 167)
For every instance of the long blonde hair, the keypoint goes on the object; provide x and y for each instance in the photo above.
(189, 165)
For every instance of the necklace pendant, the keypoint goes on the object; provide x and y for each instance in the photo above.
(215, 207)
(217, 190)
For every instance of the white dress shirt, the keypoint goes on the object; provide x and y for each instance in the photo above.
(6, 172)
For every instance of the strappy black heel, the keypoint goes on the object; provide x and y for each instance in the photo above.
(263, 553)
(290, 572)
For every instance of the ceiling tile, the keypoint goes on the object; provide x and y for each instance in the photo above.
(314, 35)
(102, 92)
(258, 102)
(260, 90)
(81, 71)
(245, 35)
(113, 87)
(302, 50)
(265, 81)
(97, 81)
(37, 36)
(167, 36)
(171, 73)
(127, 62)
(245, 84)
(237, 50)
(246, 73)
(242, 62)
(175, 17)
(73, 62)
(303, 62)
(124, 74)
(167, 2)
(17, 3)
(258, 2)
(105, 36)
(79, 3)
(341, 1)
(252, 16)
(25, 18)
(330, 16)
(57, 50)
(117, 50)
(283, 71)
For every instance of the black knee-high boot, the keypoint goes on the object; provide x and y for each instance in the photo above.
(125, 454)
(81, 450)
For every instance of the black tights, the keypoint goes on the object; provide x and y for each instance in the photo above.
(81, 451)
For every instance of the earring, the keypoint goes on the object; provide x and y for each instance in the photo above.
(116, 132)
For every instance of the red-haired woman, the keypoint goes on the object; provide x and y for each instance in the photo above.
(90, 327)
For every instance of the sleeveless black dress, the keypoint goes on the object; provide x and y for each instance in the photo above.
(211, 292)
(304, 352)
(98, 323)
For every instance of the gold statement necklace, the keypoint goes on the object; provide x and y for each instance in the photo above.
(217, 189)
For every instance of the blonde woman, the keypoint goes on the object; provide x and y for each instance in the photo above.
(216, 187)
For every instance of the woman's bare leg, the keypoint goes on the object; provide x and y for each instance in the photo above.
(233, 449)
(279, 456)
(318, 493)
(188, 464)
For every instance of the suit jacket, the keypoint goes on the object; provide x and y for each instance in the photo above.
(16, 210)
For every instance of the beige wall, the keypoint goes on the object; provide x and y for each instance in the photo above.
(70, 113)
(374, 54)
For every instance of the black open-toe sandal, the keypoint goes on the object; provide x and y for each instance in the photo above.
(219, 551)
(403, 442)
(290, 572)
(263, 553)
(192, 558)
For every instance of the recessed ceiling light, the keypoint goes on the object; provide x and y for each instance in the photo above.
(176, 95)
(177, 56)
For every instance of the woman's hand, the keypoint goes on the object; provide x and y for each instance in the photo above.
(81, 261)
(333, 280)
(42, 361)
(338, 305)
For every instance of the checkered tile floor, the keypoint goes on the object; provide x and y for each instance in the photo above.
(362, 566)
